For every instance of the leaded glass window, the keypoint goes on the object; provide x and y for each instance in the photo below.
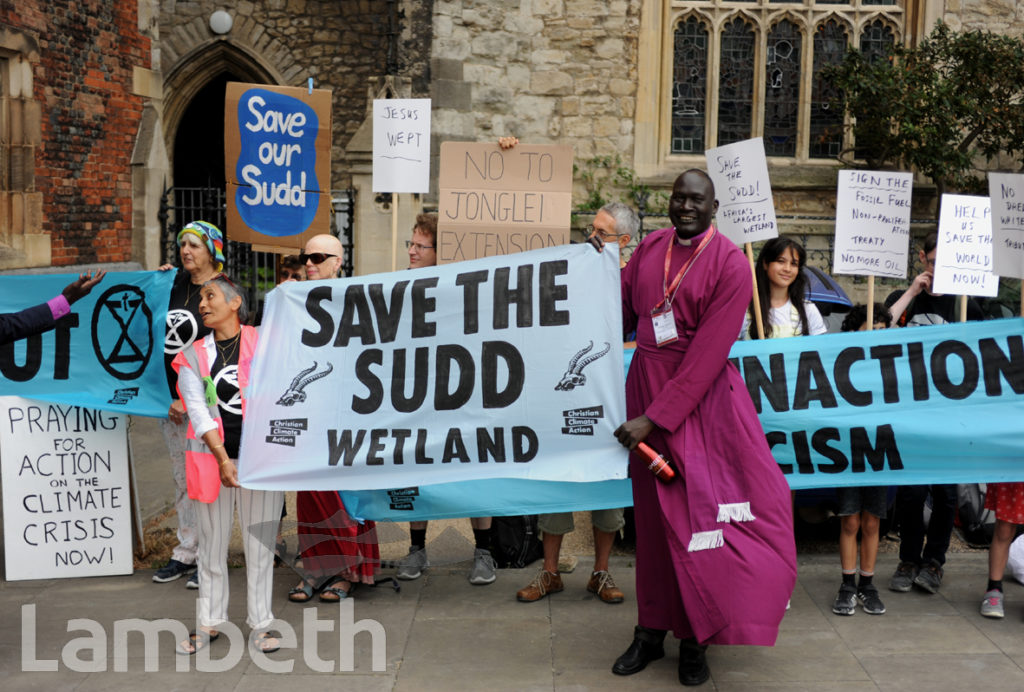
(877, 40)
(768, 66)
(830, 41)
(736, 83)
(782, 89)
(689, 87)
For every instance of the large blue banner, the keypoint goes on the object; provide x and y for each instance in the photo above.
(493, 497)
(935, 404)
(938, 404)
(106, 354)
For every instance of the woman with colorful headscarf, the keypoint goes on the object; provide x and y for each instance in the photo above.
(201, 250)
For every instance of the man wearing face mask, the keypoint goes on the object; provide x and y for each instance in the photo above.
(715, 556)
(923, 548)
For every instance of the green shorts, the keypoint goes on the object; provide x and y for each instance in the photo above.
(561, 523)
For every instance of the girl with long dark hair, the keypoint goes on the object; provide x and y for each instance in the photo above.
(781, 292)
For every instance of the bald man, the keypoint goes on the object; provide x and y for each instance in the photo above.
(323, 257)
(337, 552)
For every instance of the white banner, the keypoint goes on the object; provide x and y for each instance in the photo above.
(67, 502)
(872, 223)
(502, 367)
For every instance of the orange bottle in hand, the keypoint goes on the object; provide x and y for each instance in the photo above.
(657, 463)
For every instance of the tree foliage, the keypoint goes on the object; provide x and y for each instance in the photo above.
(944, 108)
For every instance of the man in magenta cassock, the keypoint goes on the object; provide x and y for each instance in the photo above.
(715, 556)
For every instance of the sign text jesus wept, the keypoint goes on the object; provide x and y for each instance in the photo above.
(503, 367)
(277, 157)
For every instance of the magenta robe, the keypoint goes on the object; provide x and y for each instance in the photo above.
(707, 564)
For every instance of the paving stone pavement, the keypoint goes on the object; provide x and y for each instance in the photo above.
(442, 633)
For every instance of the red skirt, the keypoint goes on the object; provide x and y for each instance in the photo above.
(332, 544)
(1006, 500)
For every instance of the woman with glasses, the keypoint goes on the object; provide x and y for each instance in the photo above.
(201, 251)
(212, 378)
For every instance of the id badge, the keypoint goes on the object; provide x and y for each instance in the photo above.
(664, 327)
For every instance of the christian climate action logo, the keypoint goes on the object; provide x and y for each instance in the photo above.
(574, 376)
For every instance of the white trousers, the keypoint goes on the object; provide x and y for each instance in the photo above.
(259, 513)
(174, 436)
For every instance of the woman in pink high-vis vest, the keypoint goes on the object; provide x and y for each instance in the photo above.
(212, 376)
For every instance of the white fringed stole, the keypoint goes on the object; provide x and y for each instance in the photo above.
(709, 540)
(706, 540)
(735, 511)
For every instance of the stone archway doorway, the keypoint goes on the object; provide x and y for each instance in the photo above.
(198, 153)
(194, 113)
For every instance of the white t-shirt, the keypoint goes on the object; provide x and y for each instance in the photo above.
(785, 321)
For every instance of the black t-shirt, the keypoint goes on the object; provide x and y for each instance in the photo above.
(927, 309)
(184, 325)
(224, 371)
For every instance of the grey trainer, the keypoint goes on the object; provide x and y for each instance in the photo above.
(412, 565)
(930, 577)
(483, 567)
(846, 600)
(903, 578)
(992, 605)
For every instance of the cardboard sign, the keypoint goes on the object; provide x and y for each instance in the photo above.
(496, 202)
(963, 257)
(277, 163)
(746, 210)
(1006, 192)
(401, 145)
(872, 223)
(67, 508)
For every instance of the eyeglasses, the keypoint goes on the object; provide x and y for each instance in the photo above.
(418, 246)
(316, 257)
(603, 234)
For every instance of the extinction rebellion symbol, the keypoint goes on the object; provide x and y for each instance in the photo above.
(122, 331)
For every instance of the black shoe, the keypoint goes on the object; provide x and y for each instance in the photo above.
(646, 647)
(693, 663)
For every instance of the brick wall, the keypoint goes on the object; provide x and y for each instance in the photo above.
(82, 85)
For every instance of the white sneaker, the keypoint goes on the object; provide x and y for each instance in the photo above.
(992, 604)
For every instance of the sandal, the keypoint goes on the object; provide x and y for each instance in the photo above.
(336, 593)
(302, 593)
(197, 640)
(265, 642)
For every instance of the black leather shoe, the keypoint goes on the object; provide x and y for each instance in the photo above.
(693, 663)
(646, 647)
